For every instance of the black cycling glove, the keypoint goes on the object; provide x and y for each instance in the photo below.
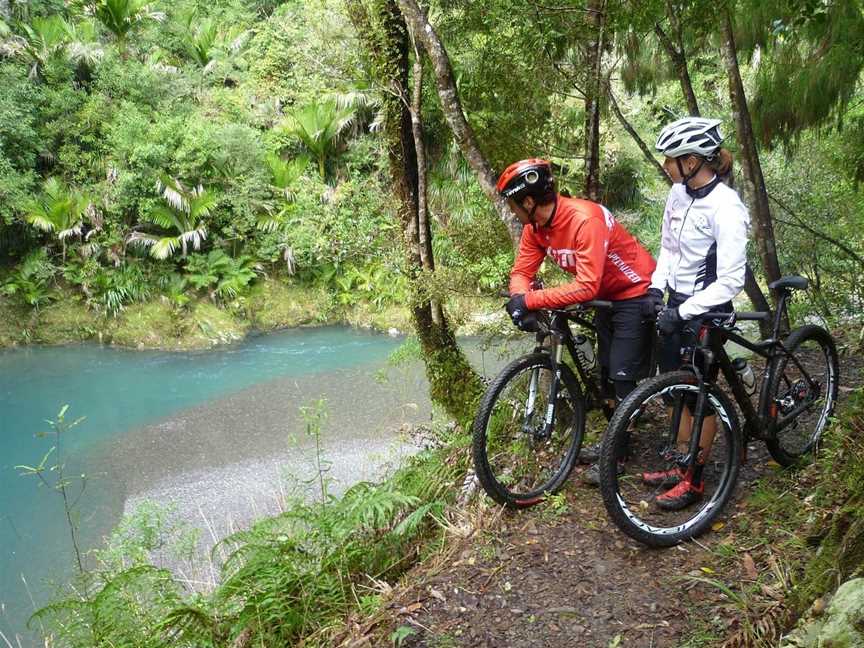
(653, 302)
(668, 321)
(519, 313)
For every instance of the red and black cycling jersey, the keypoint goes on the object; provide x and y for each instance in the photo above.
(586, 241)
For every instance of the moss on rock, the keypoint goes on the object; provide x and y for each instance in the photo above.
(841, 626)
(274, 304)
(65, 321)
(15, 324)
(207, 325)
(151, 325)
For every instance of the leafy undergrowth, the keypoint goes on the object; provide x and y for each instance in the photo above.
(291, 578)
(796, 538)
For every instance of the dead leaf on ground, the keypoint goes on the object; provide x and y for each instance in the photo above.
(750, 567)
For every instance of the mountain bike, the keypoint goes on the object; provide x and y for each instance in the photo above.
(528, 431)
(657, 431)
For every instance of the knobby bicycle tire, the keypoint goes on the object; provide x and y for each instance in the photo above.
(500, 439)
(791, 445)
(630, 503)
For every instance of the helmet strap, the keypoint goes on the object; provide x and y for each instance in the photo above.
(686, 178)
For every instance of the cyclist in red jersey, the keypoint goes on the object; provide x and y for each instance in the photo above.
(606, 261)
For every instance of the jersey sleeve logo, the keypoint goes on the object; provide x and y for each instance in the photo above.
(564, 257)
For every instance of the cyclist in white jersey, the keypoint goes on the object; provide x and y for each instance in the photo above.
(701, 265)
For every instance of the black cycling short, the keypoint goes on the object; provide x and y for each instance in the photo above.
(672, 345)
(624, 343)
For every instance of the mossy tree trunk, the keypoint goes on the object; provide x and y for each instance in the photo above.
(453, 383)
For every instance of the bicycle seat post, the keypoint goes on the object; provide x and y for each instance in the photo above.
(785, 293)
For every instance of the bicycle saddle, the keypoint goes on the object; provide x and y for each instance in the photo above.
(790, 281)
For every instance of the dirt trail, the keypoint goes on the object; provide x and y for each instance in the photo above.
(547, 578)
(560, 575)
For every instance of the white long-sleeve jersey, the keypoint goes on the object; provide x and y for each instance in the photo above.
(703, 251)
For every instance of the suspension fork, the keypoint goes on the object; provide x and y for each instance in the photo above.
(698, 418)
(556, 353)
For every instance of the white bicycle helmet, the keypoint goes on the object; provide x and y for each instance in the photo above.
(690, 136)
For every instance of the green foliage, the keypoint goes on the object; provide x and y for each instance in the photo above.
(29, 282)
(113, 289)
(620, 184)
(59, 210)
(400, 634)
(225, 276)
(813, 58)
(320, 127)
(150, 535)
(51, 473)
(184, 213)
(120, 17)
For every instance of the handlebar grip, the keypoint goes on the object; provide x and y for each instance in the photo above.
(752, 315)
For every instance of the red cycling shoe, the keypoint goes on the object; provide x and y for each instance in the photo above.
(682, 495)
(663, 477)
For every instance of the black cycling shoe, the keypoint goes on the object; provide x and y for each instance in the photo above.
(591, 454)
(592, 475)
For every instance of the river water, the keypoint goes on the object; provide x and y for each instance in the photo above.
(217, 433)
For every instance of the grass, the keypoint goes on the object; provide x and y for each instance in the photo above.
(803, 529)
(271, 304)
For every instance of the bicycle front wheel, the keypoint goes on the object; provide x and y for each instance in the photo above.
(516, 458)
(642, 460)
(804, 390)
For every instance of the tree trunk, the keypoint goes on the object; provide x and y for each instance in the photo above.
(424, 231)
(754, 181)
(678, 57)
(646, 151)
(453, 383)
(425, 36)
(593, 60)
(757, 299)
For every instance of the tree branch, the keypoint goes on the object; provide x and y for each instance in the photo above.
(800, 223)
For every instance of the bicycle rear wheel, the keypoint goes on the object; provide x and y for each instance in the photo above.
(643, 434)
(805, 393)
(516, 463)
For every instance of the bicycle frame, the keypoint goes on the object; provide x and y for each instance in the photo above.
(559, 331)
(761, 422)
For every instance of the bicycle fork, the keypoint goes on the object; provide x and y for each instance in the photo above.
(555, 356)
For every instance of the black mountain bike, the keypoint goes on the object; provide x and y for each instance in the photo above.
(656, 433)
(528, 430)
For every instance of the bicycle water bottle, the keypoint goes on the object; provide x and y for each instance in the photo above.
(585, 353)
(745, 373)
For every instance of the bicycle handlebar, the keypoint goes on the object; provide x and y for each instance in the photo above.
(741, 316)
(594, 303)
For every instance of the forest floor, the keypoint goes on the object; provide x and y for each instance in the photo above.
(561, 575)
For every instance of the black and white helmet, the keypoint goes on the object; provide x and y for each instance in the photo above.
(690, 136)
